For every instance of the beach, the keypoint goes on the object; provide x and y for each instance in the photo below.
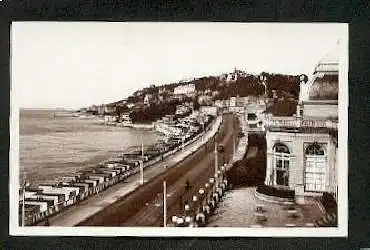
(52, 146)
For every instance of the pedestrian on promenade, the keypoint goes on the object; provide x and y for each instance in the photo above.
(47, 222)
(187, 187)
(180, 202)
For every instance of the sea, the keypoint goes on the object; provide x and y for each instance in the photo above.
(53, 143)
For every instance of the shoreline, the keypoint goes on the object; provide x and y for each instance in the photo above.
(73, 215)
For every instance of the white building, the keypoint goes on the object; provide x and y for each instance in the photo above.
(210, 110)
(188, 90)
(220, 103)
(232, 102)
(237, 109)
(182, 109)
(302, 149)
(255, 116)
(204, 100)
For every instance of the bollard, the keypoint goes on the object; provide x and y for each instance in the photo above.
(200, 220)
(174, 219)
(188, 220)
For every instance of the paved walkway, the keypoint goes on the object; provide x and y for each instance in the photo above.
(79, 212)
(239, 206)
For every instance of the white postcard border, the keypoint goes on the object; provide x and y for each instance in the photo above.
(340, 231)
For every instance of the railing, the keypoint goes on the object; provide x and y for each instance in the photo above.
(293, 122)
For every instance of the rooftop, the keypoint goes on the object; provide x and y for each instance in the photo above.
(324, 87)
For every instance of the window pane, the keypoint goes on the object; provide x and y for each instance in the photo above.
(279, 163)
(279, 177)
(282, 177)
(309, 179)
(286, 164)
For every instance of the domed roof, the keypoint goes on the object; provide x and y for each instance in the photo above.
(324, 85)
(330, 62)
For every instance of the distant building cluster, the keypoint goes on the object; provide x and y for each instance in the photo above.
(188, 90)
(233, 76)
(99, 109)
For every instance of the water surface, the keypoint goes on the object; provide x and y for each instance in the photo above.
(52, 146)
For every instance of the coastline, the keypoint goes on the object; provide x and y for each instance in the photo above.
(65, 145)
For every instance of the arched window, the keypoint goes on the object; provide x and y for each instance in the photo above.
(315, 167)
(282, 158)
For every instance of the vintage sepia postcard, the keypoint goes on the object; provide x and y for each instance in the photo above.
(179, 129)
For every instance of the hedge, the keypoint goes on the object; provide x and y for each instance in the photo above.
(272, 191)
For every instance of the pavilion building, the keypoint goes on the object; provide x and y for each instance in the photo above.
(302, 149)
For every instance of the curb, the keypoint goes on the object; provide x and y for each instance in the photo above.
(273, 199)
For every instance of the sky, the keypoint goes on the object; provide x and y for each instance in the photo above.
(77, 64)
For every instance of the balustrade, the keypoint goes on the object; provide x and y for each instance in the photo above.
(300, 123)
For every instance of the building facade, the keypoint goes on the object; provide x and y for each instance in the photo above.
(188, 90)
(302, 149)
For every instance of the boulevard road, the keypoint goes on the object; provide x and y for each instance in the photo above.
(144, 207)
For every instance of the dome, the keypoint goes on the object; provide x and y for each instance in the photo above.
(324, 84)
(329, 63)
(324, 87)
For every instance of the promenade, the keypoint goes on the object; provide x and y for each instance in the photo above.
(83, 210)
(144, 207)
(238, 209)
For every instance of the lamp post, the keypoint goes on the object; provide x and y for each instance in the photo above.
(164, 204)
(142, 162)
(234, 146)
(219, 178)
(223, 173)
(174, 219)
(199, 211)
(186, 208)
(24, 185)
(212, 181)
(203, 131)
(141, 172)
(216, 160)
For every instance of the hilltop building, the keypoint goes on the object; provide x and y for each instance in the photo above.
(188, 90)
(302, 149)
